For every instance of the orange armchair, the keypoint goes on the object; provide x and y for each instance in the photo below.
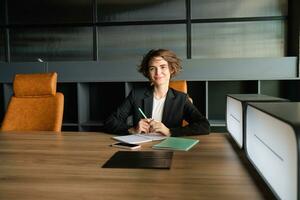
(35, 105)
(179, 85)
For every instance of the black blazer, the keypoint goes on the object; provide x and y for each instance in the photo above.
(177, 108)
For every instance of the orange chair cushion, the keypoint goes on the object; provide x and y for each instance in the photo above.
(34, 114)
(28, 85)
(179, 85)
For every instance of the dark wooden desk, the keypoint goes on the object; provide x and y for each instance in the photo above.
(68, 166)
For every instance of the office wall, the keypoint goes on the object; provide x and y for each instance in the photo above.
(84, 30)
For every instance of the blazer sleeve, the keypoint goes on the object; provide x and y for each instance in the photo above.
(116, 123)
(198, 124)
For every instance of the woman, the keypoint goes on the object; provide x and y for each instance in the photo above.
(164, 107)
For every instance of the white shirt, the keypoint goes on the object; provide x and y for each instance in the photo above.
(157, 109)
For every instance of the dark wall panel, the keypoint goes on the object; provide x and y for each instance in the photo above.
(1, 103)
(270, 87)
(133, 10)
(100, 107)
(69, 91)
(218, 92)
(132, 42)
(210, 9)
(49, 11)
(2, 12)
(2, 44)
(293, 38)
(197, 90)
(290, 90)
(52, 44)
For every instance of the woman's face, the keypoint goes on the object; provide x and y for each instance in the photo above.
(159, 71)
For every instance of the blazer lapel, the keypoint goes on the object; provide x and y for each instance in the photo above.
(148, 103)
(168, 106)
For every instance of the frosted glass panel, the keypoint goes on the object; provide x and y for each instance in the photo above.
(133, 10)
(238, 39)
(52, 44)
(132, 42)
(205, 9)
(50, 11)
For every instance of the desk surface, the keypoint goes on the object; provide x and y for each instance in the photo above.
(68, 166)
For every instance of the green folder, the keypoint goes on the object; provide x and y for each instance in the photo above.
(176, 143)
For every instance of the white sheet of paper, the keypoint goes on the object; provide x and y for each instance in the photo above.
(140, 138)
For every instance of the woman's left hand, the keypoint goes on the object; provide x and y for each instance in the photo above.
(159, 127)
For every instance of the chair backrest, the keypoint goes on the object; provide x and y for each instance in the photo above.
(180, 85)
(35, 105)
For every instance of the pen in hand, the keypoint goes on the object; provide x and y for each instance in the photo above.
(142, 113)
(147, 119)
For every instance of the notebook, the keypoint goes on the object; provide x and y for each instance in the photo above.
(176, 143)
(140, 159)
(139, 138)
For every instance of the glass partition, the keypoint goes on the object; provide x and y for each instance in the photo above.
(239, 39)
(210, 9)
(132, 42)
(52, 44)
(143, 10)
(50, 12)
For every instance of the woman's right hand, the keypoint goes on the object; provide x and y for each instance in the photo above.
(142, 127)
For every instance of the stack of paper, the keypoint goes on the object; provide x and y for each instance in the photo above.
(140, 138)
(176, 143)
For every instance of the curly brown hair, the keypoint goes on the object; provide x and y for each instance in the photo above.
(173, 61)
